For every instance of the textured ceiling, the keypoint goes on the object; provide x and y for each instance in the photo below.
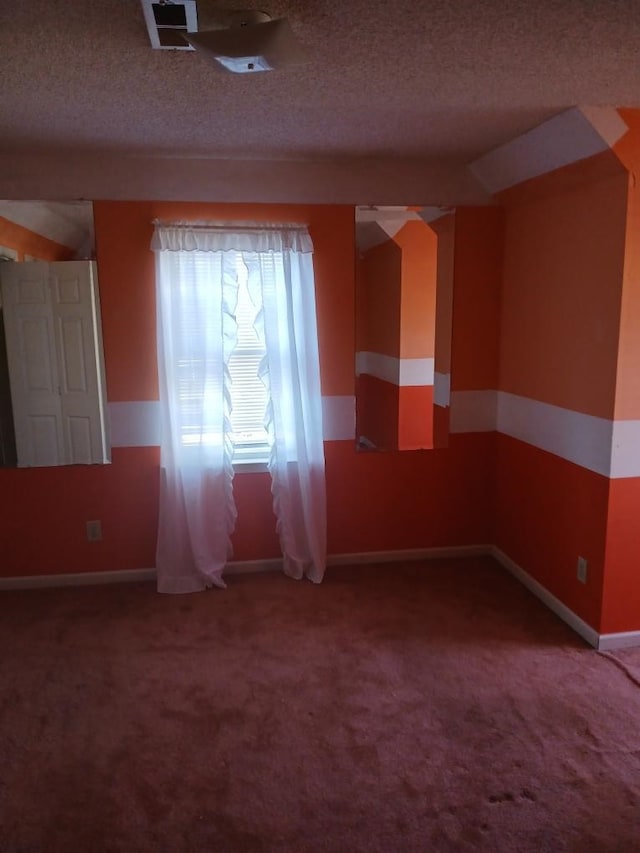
(400, 79)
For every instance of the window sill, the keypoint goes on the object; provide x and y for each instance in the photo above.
(249, 467)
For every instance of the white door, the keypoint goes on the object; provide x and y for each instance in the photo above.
(31, 353)
(79, 375)
(52, 325)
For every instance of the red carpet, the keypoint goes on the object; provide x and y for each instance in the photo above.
(414, 707)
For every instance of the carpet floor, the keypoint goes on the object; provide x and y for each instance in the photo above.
(410, 707)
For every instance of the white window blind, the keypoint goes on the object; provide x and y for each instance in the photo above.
(249, 394)
(191, 272)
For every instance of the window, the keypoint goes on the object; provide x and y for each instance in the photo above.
(239, 369)
(199, 378)
(249, 395)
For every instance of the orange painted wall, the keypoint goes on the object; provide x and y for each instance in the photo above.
(396, 306)
(419, 247)
(394, 417)
(375, 501)
(627, 149)
(415, 417)
(476, 262)
(484, 487)
(621, 592)
(444, 228)
(378, 303)
(441, 425)
(562, 285)
(627, 399)
(123, 237)
(397, 294)
(395, 500)
(563, 266)
(27, 242)
(381, 271)
(570, 337)
(570, 332)
(361, 305)
(377, 405)
(60, 500)
(582, 173)
(549, 511)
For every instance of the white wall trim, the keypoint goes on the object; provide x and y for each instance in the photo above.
(607, 121)
(573, 135)
(385, 367)
(235, 567)
(397, 371)
(436, 553)
(554, 604)
(607, 447)
(621, 640)
(339, 418)
(251, 567)
(625, 449)
(442, 389)
(239, 567)
(602, 642)
(136, 423)
(77, 579)
(359, 558)
(417, 371)
(574, 436)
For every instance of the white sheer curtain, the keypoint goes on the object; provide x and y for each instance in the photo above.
(196, 284)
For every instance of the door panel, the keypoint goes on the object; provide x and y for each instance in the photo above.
(31, 352)
(79, 438)
(73, 308)
(44, 440)
(52, 325)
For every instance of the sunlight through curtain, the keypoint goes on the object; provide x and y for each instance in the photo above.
(197, 292)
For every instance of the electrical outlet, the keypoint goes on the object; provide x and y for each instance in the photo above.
(94, 531)
(582, 570)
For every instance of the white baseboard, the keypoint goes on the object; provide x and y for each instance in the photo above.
(124, 576)
(440, 553)
(572, 619)
(239, 567)
(251, 567)
(77, 579)
(621, 640)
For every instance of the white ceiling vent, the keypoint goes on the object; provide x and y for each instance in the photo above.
(235, 40)
(167, 20)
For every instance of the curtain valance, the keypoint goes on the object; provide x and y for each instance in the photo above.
(223, 237)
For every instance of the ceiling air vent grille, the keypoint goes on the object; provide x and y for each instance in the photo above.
(167, 20)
